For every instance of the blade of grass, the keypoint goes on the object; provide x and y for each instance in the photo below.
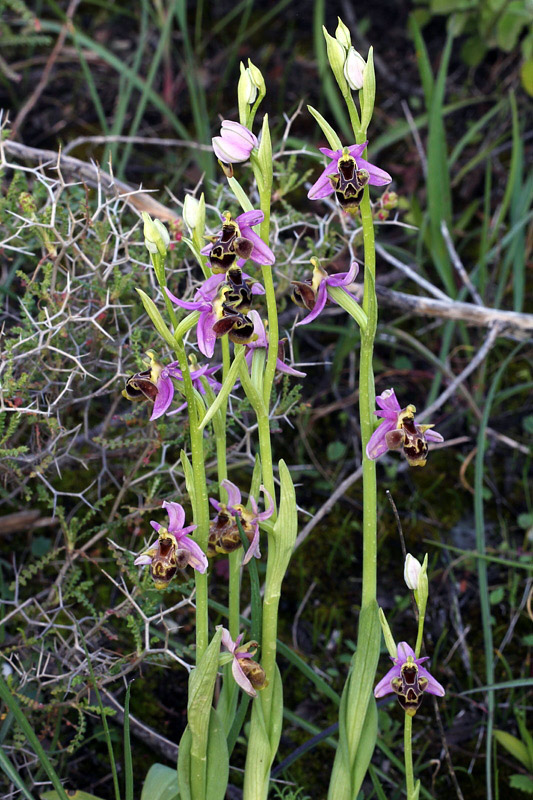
(328, 84)
(482, 564)
(128, 762)
(13, 705)
(9, 770)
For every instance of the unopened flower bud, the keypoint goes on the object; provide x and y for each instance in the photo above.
(257, 77)
(342, 34)
(156, 237)
(246, 89)
(389, 200)
(354, 69)
(336, 58)
(411, 571)
(191, 212)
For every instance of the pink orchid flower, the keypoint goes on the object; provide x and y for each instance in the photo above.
(248, 674)
(313, 294)
(408, 680)
(235, 142)
(250, 519)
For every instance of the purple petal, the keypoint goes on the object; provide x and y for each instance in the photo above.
(155, 525)
(234, 495)
(323, 186)
(230, 150)
(205, 333)
(215, 503)
(179, 535)
(433, 687)
(197, 557)
(388, 400)
(377, 444)
(253, 549)
(144, 558)
(357, 150)
(267, 513)
(433, 436)
(249, 219)
(404, 651)
(257, 288)
(176, 516)
(230, 129)
(165, 393)
(259, 330)
(190, 305)
(321, 297)
(336, 154)
(241, 679)
(378, 177)
(344, 278)
(281, 367)
(384, 686)
(209, 287)
(207, 249)
(227, 641)
(261, 253)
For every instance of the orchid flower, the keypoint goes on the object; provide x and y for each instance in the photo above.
(235, 142)
(262, 342)
(227, 512)
(196, 378)
(399, 429)
(347, 175)
(237, 240)
(408, 680)
(209, 300)
(247, 673)
(154, 383)
(313, 294)
(173, 550)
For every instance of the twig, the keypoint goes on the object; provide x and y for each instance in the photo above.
(511, 323)
(413, 274)
(458, 264)
(136, 140)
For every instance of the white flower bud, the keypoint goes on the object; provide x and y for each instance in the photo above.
(257, 77)
(354, 69)
(342, 34)
(191, 211)
(411, 572)
(156, 236)
(246, 89)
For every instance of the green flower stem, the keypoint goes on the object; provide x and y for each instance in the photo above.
(352, 111)
(158, 263)
(420, 634)
(408, 756)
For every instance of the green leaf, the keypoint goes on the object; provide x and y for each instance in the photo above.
(264, 156)
(72, 795)
(522, 782)
(161, 783)
(189, 476)
(217, 759)
(369, 90)
(332, 137)
(366, 747)
(227, 386)
(159, 324)
(526, 76)
(515, 747)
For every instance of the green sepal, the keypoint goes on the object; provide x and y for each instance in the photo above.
(286, 525)
(189, 476)
(515, 747)
(368, 91)
(336, 58)
(332, 137)
(185, 325)
(387, 635)
(264, 156)
(216, 764)
(223, 394)
(159, 324)
(354, 714)
(240, 195)
(161, 783)
(346, 301)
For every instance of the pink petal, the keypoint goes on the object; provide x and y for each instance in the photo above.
(433, 436)
(142, 559)
(388, 400)
(281, 367)
(227, 641)
(241, 679)
(214, 503)
(384, 686)
(433, 687)
(155, 525)
(234, 495)
(249, 219)
(344, 278)
(205, 333)
(323, 186)
(230, 151)
(207, 249)
(261, 253)
(190, 305)
(230, 129)
(176, 516)
(321, 297)
(165, 393)
(357, 150)
(377, 444)
(378, 177)
(267, 513)
(404, 651)
(253, 549)
(197, 557)
(336, 154)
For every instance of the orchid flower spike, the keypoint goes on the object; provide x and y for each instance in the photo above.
(399, 430)
(408, 680)
(347, 175)
(224, 534)
(313, 294)
(235, 142)
(247, 673)
(173, 550)
(237, 240)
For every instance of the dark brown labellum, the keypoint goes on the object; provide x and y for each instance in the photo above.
(349, 183)
(303, 295)
(227, 246)
(141, 386)
(409, 688)
(254, 672)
